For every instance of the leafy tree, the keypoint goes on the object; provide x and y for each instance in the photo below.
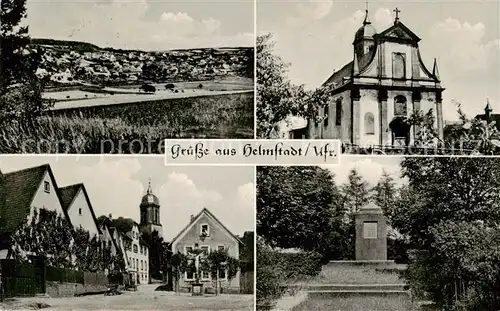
(90, 253)
(20, 89)
(426, 133)
(384, 193)
(217, 262)
(47, 234)
(355, 192)
(473, 134)
(179, 263)
(156, 253)
(447, 210)
(296, 206)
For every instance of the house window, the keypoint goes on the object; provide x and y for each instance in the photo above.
(46, 186)
(205, 275)
(221, 248)
(400, 108)
(188, 249)
(398, 66)
(189, 274)
(205, 249)
(222, 273)
(326, 109)
(135, 248)
(205, 230)
(369, 124)
(79, 211)
(338, 112)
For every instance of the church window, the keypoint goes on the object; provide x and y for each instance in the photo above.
(205, 230)
(46, 186)
(369, 124)
(326, 109)
(398, 66)
(400, 108)
(338, 112)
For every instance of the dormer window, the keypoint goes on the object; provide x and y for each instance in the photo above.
(46, 186)
(204, 230)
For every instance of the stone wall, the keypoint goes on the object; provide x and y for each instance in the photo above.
(58, 289)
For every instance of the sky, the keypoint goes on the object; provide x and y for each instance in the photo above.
(369, 167)
(145, 24)
(116, 185)
(464, 36)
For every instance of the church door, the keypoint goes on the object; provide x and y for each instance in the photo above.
(400, 129)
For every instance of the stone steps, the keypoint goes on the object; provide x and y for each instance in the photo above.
(356, 287)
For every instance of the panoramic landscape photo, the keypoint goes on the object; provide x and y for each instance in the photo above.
(120, 77)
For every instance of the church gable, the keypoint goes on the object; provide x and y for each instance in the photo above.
(398, 33)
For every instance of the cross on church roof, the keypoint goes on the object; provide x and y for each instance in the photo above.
(397, 11)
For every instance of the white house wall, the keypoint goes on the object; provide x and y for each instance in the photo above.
(43, 200)
(85, 219)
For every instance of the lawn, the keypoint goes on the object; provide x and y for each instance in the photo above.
(357, 303)
(132, 128)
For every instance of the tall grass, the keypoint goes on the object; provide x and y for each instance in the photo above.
(133, 128)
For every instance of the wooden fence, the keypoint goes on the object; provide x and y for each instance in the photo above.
(29, 279)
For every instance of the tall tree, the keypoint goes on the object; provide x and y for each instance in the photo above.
(355, 192)
(446, 196)
(384, 193)
(296, 206)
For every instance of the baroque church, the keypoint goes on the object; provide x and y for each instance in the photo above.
(373, 96)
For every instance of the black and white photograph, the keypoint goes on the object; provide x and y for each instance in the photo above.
(119, 76)
(125, 233)
(380, 234)
(383, 77)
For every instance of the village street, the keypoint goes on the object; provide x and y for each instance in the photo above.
(146, 298)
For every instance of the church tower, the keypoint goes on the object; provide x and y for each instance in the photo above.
(150, 213)
(364, 41)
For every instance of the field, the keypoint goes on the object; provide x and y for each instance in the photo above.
(132, 127)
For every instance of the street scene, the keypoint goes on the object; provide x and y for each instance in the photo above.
(125, 233)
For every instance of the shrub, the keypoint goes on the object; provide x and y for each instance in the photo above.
(148, 88)
(169, 86)
(200, 86)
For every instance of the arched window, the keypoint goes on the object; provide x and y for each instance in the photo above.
(398, 66)
(400, 108)
(369, 124)
(338, 112)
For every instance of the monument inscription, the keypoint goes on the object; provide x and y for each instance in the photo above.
(370, 229)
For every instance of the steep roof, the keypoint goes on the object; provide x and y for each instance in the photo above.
(20, 188)
(67, 195)
(347, 71)
(124, 225)
(196, 218)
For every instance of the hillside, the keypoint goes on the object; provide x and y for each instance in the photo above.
(73, 62)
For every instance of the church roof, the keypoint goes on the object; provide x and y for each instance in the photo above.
(149, 198)
(340, 77)
(398, 33)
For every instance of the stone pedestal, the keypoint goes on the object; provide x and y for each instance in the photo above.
(197, 289)
(371, 234)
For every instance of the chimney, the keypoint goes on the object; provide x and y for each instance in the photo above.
(192, 218)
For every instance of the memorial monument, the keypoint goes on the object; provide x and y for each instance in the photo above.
(371, 234)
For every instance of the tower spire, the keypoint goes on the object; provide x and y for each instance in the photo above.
(435, 70)
(149, 191)
(366, 21)
(488, 109)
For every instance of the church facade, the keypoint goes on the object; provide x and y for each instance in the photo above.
(373, 96)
